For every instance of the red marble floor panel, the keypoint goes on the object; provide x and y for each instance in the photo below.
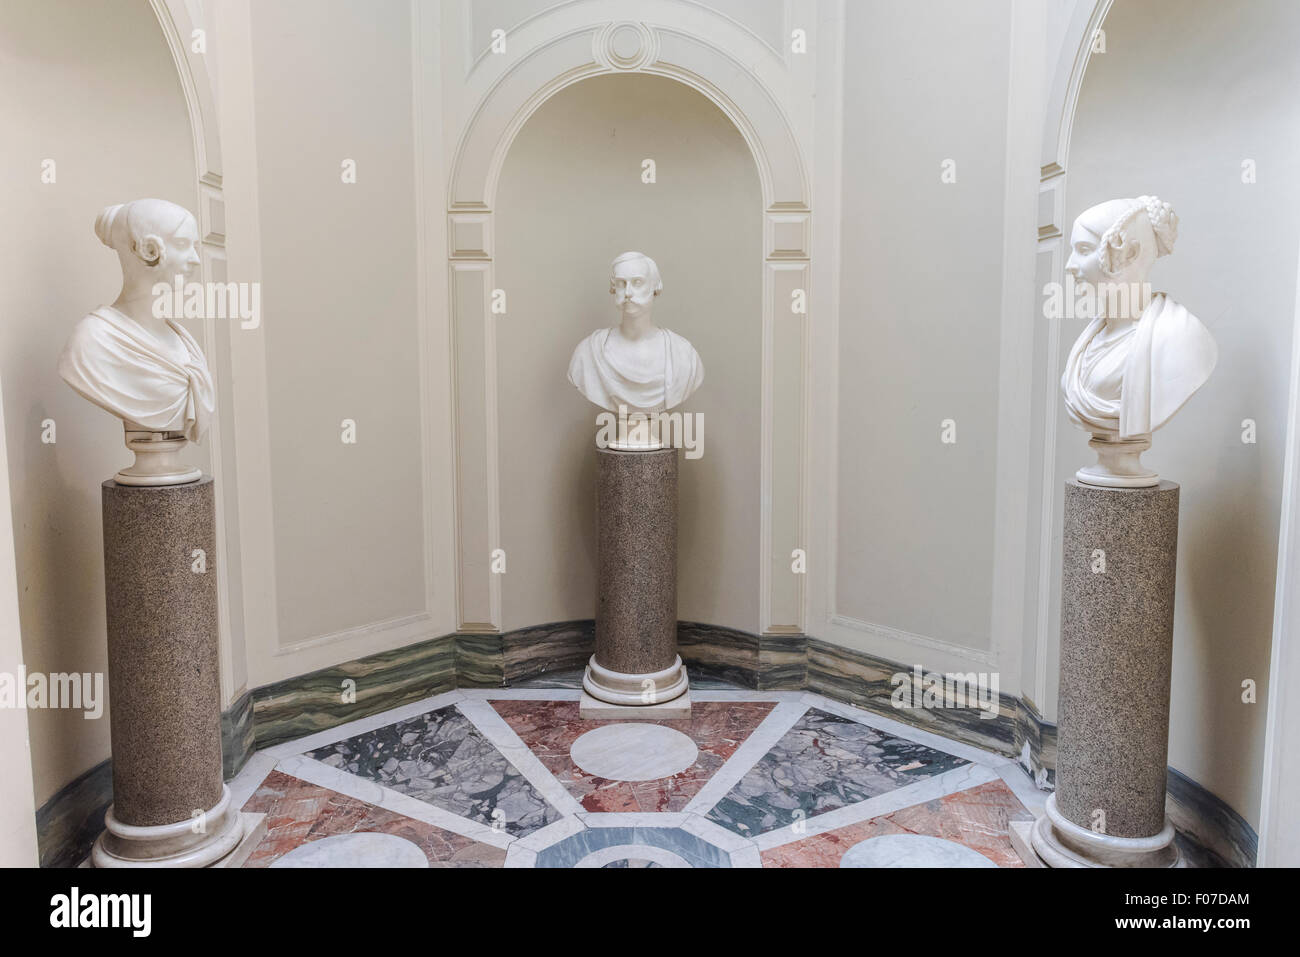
(298, 812)
(978, 817)
(549, 728)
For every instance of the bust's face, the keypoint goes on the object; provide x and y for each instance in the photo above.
(633, 287)
(1084, 263)
(181, 252)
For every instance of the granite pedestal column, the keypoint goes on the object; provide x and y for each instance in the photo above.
(170, 806)
(636, 671)
(1117, 624)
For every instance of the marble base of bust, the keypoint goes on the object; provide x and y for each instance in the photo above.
(1059, 842)
(593, 709)
(225, 833)
(638, 430)
(631, 444)
(157, 460)
(1119, 463)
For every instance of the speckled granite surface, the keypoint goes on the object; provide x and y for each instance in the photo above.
(164, 684)
(1117, 632)
(636, 592)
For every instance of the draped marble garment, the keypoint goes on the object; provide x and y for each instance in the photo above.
(610, 380)
(115, 364)
(1129, 382)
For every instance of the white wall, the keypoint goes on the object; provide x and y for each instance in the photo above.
(1185, 92)
(918, 325)
(333, 81)
(570, 199)
(93, 87)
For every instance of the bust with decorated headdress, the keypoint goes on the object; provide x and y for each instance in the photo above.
(1143, 355)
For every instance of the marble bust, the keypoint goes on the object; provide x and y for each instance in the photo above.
(635, 365)
(1143, 355)
(147, 371)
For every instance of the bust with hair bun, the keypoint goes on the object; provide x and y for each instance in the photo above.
(147, 371)
(1143, 355)
(635, 364)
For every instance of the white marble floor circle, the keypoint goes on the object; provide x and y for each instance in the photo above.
(912, 850)
(633, 751)
(636, 854)
(356, 850)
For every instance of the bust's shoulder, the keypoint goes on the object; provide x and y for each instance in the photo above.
(681, 345)
(90, 330)
(589, 344)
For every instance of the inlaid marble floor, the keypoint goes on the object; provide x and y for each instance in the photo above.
(515, 778)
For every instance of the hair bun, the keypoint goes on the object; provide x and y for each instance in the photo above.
(1164, 223)
(104, 223)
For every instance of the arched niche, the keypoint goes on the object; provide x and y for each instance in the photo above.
(96, 93)
(737, 72)
(570, 198)
(1205, 118)
(1173, 99)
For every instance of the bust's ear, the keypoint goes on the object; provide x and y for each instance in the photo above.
(149, 248)
(1127, 254)
(1115, 259)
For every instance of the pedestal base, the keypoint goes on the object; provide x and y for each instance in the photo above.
(1054, 841)
(593, 709)
(637, 690)
(227, 835)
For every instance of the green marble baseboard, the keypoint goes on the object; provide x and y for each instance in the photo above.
(356, 689)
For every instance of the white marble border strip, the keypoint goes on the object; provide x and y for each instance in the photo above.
(634, 818)
(250, 777)
(748, 856)
(363, 789)
(360, 726)
(909, 732)
(1023, 787)
(492, 726)
(940, 785)
(769, 731)
(716, 834)
(553, 833)
(519, 856)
